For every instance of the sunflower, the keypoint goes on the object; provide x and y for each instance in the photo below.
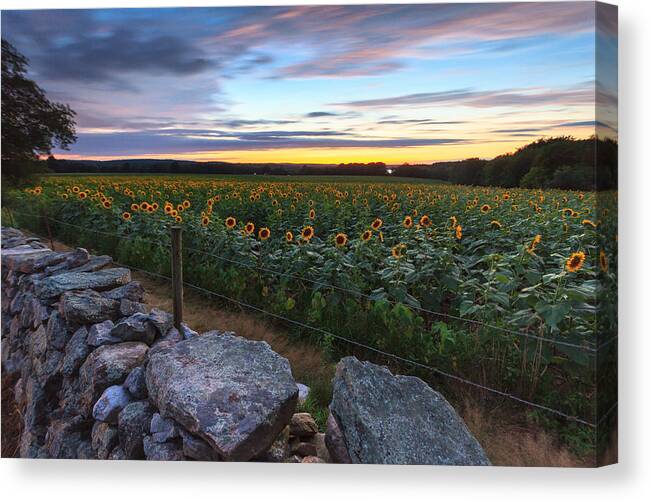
(126, 216)
(485, 208)
(453, 221)
(408, 222)
(178, 219)
(567, 212)
(249, 228)
(143, 205)
(458, 232)
(307, 233)
(496, 224)
(587, 222)
(575, 261)
(289, 236)
(75, 189)
(534, 243)
(425, 221)
(341, 239)
(135, 207)
(366, 236)
(264, 233)
(106, 204)
(186, 204)
(603, 261)
(377, 224)
(82, 195)
(396, 250)
(230, 222)
(205, 221)
(154, 206)
(506, 196)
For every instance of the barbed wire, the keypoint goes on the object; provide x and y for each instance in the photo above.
(414, 363)
(535, 337)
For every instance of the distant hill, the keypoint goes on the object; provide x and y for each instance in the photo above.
(560, 162)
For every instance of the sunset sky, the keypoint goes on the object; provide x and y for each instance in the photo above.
(392, 83)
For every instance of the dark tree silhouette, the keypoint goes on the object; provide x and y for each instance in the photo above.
(31, 124)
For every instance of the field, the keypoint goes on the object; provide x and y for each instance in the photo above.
(499, 287)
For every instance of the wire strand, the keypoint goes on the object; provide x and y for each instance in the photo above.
(435, 370)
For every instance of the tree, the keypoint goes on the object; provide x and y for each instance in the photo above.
(31, 124)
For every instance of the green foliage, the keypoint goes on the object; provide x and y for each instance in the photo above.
(31, 124)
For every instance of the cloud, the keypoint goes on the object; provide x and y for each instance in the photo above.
(144, 143)
(482, 99)
(319, 114)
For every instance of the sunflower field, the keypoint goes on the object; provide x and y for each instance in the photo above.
(474, 281)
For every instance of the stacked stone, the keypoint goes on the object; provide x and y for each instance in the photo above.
(100, 377)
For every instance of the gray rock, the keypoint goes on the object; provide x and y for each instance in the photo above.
(95, 263)
(173, 335)
(136, 384)
(76, 352)
(135, 328)
(57, 332)
(85, 450)
(63, 437)
(322, 452)
(74, 258)
(133, 425)
(128, 307)
(303, 392)
(186, 332)
(108, 365)
(113, 400)
(196, 448)
(22, 258)
(54, 286)
(104, 439)
(160, 345)
(158, 451)
(248, 394)
(163, 429)
(133, 291)
(38, 342)
(303, 425)
(117, 454)
(162, 320)
(100, 334)
(87, 307)
(312, 459)
(279, 450)
(387, 419)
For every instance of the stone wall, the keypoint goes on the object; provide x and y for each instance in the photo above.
(99, 376)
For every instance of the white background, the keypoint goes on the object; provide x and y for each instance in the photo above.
(151, 481)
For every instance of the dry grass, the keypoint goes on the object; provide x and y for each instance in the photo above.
(508, 443)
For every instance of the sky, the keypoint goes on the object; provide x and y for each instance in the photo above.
(323, 84)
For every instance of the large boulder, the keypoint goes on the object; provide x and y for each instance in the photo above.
(54, 286)
(387, 419)
(108, 365)
(248, 394)
(87, 307)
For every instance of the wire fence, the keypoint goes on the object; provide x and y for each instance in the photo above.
(323, 332)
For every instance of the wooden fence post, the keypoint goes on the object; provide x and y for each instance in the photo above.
(47, 227)
(177, 275)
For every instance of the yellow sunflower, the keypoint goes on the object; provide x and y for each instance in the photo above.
(376, 224)
(249, 228)
(575, 262)
(408, 222)
(425, 221)
(230, 222)
(366, 236)
(603, 261)
(289, 236)
(341, 239)
(264, 233)
(307, 233)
